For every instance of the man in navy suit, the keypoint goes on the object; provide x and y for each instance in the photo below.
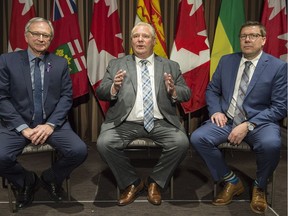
(18, 124)
(125, 120)
(264, 105)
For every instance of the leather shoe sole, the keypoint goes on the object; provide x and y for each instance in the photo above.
(130, 194)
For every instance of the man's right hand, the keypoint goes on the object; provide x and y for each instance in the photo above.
(117, 82)
(219, 118)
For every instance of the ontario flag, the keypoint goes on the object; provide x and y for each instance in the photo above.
(274, 18)
(22, 12)
(149, 11)
(67, 43)
(105, 42)
(191, 50)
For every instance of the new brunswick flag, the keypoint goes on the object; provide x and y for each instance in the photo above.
(226, 40)
(149, 11)
(67, 43)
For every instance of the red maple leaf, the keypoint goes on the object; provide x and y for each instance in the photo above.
(276, 27)
(189, 27)
(105, 29)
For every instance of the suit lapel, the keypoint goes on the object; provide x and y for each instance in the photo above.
(131, 66)
(262, 63)
(158, 73)
(47, 73)
(27, 74)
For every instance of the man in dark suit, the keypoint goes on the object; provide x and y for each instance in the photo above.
(21, 124)
(124, 85)
(245, 109)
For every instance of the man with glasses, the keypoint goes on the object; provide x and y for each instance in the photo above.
(35, 98)
(246, 99)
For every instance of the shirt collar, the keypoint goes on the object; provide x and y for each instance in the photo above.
(254, 61)
(32, 57)
(150, 59)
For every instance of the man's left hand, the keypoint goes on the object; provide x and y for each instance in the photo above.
(42, 132)
(238, 134)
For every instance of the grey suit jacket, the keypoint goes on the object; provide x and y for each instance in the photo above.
(16, 97)
(121, 107)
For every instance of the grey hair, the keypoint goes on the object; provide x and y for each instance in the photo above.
(151, 28)
(39, 19)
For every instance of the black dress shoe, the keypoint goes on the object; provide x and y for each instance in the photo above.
(55, 191)
(25, 195)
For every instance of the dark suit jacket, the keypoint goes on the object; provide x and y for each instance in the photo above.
(266, 96)
(16, 98)
(121, 107)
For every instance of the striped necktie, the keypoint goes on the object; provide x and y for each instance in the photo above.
(239, 115)
(38, 110)
(147, 97)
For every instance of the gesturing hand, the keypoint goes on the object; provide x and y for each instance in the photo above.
(118, 80)
(169, 82)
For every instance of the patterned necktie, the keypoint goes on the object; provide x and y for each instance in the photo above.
(147, 97)
(38, 110)
(239, 115)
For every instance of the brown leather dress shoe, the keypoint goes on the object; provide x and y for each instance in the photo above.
(154, 194)
(258, 203)
(227, 194)
(130, 194)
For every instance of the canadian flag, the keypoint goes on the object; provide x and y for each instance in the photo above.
(105, 42)
(22, 12)
(191, 50)
(274, 18)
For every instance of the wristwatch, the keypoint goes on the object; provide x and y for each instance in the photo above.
(250, 126)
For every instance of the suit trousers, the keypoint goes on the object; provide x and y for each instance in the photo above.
(112, 142)
(264, 140)
(71, 149)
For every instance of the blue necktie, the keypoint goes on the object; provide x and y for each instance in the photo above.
(38, 110)
(147, 97)
(239, 115)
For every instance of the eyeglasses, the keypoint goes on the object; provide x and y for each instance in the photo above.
(37, 35)
(251, 37)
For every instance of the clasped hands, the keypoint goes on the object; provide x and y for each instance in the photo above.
(39, 134)
(237, 134)
(120, 75)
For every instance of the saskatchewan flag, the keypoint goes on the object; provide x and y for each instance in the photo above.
(226, 40)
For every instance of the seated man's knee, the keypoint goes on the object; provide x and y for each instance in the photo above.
(5, 162)
(182, 142)
(195, 138)
(103, 143)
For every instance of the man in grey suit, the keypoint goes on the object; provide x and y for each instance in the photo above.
(246, 99)
(125, 88)
(24, 121)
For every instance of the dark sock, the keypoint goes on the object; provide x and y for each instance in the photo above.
(48, 176)
(29, 178)
(150, 180)
(137, 182)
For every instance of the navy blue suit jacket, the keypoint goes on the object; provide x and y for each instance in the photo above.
(16, 97)
(266, 96)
